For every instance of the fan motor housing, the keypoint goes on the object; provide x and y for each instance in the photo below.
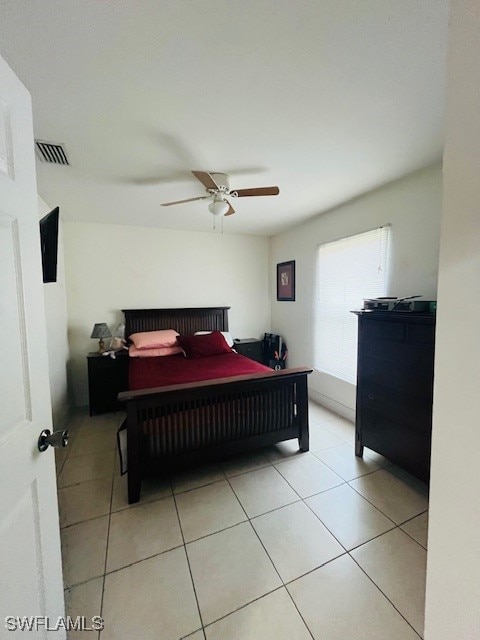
(222, 181)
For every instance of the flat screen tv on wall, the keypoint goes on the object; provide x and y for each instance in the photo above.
(49, 245)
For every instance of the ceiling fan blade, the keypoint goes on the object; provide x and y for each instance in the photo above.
(206, 179)
(168, 204)
(230, 211)
(259, 191)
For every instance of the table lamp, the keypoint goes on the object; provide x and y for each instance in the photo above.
(101, 331)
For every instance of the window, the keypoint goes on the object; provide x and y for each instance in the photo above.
(348, 271)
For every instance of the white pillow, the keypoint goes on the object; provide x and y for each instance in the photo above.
(225, 334)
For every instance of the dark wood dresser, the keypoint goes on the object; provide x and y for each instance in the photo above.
(395, 387)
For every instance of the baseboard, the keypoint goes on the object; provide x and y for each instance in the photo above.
(333, 405)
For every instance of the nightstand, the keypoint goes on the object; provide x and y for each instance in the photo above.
(250, 348)
(106, 378)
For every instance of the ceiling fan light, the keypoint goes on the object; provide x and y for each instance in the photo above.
(218, 207)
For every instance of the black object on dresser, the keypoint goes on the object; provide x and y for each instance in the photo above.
(274, 351)
(395, 387)
(250, 348)
(107, 377)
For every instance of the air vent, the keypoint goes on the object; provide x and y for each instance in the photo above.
(51, 152)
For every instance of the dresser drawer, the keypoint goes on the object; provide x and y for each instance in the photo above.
(414, 413)
(407, 448)
(398, 331)
(379, 330)
(395, 375)
(414, 356)
(421, 333)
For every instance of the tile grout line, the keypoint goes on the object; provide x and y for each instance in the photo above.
(207, 484)
(74, 524)
(108, 541)
(384, 594)
(235, 475)
(244, 606)
(188, 559)
(90, 453)
(300, 499)
(75, 484)
(325, 426)
(68, 451)
(67, 457)
(323, 523)
(409, 534)
(313, 494)
(345, 482)
(273, 564)
(208, 535)
(156, 555)
(269, 463)
(367, 473)
(378, 508)
(131, 564)
(248, 519)
(108, 530)
(210, 483)
(242, 473)
(346, 551)
(284, 585)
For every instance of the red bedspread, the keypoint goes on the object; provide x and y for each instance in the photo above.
(145, 373)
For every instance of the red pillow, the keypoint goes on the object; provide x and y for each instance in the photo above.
(212, 344)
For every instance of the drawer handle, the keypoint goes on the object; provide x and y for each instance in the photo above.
(371, 396)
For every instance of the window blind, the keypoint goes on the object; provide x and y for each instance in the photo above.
(348, 270)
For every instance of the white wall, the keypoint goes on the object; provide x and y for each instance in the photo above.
(114, 267)
(453, 568)
(412, 206)
(56, 324)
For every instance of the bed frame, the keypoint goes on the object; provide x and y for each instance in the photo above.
(179, 424)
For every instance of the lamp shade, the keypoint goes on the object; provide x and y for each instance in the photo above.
(101, 330)
(218, 207)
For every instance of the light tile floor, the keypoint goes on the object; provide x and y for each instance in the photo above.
(272, 545)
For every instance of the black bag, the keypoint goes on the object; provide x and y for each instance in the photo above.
(274, 351)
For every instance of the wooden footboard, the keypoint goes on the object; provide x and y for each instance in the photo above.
(179, 423)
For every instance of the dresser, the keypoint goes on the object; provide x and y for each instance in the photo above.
(395, 387)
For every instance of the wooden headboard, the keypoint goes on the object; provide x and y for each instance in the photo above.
(185, 321)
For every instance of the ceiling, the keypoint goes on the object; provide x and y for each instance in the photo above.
(327, 99)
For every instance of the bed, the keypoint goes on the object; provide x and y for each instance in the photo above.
(173, 425)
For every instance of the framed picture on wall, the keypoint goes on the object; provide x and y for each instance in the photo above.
(286, 281)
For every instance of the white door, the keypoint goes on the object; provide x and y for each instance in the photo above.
(30, 560)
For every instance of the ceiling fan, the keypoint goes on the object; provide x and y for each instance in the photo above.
(218, 188)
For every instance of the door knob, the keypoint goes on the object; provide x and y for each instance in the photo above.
(55, 439)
